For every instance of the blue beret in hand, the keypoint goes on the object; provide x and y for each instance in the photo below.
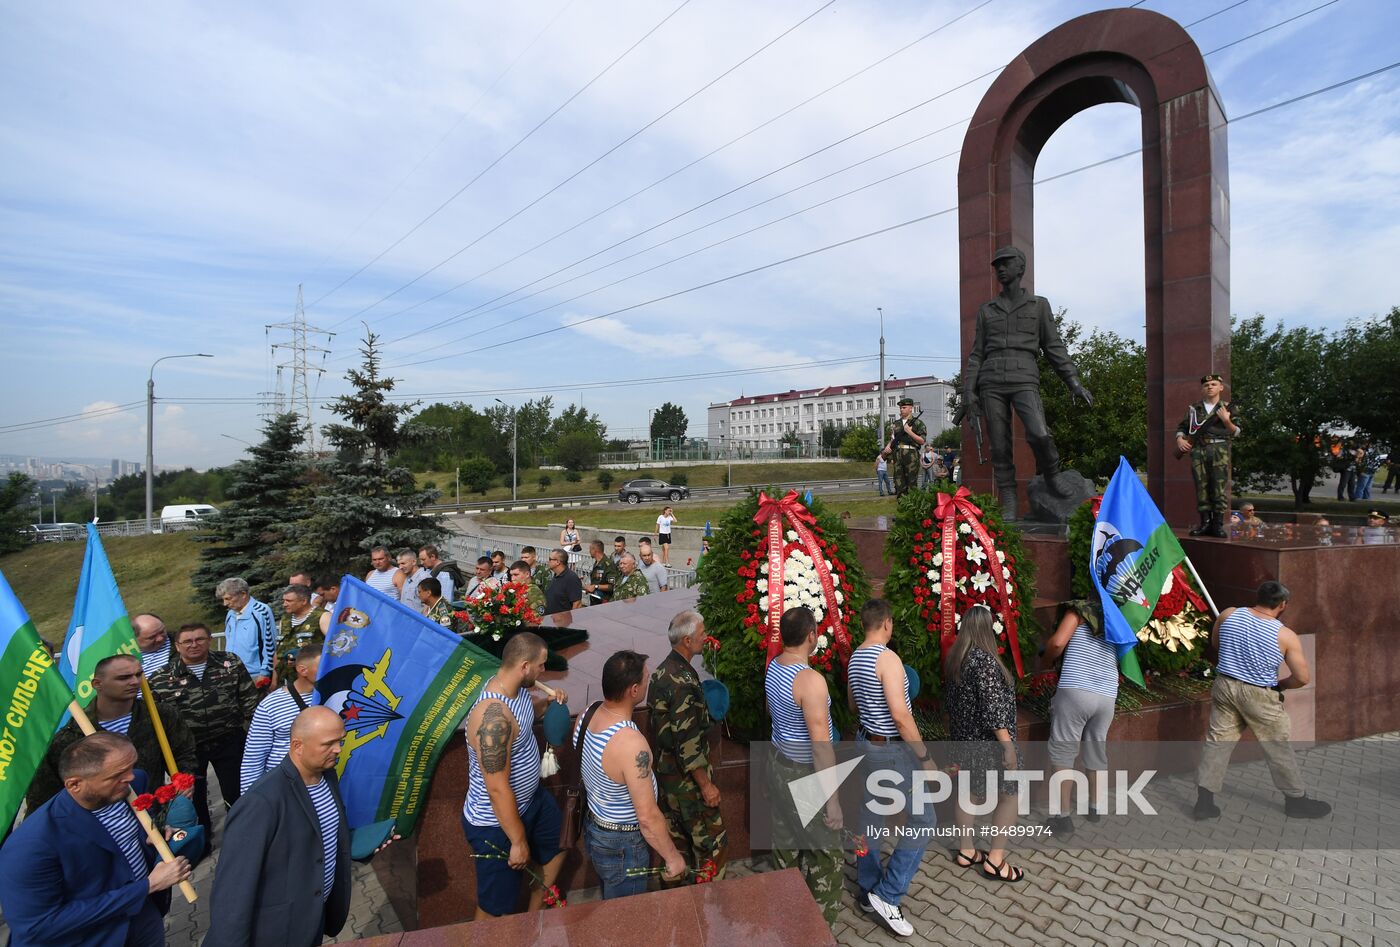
(557, 724)
(716, 698)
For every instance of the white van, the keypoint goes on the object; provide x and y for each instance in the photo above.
(185, 516)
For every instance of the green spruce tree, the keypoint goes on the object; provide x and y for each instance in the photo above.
(364, 496)
(250, 537)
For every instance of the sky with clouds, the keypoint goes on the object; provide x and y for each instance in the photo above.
(463, 177)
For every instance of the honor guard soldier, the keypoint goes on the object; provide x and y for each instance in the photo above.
(904, 447)
(1205, 433)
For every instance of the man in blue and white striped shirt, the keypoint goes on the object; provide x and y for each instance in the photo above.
(154, 642)
(1249, 645)
(269, 735)
(878, 691)
(250, 629)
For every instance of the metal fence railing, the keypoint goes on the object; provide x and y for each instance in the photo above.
(467, 549)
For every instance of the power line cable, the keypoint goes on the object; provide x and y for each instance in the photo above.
(880, 231)
(470, 111)
(590, 164)
(499, 158)
(714, 152)
(673, 218)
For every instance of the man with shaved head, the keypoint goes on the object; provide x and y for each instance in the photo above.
(287, 880)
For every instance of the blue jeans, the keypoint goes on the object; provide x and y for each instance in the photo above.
(882, 482)
(1363, 486)
(891, 883)
(612, 853)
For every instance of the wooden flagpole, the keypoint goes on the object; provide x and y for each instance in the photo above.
(159, 727)
(152, 833)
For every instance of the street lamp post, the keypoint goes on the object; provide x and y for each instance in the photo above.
(94, 489)
(514, 444)
(881, 433)
(150, 438)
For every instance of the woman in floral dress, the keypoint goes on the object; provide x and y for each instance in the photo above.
(981, 702)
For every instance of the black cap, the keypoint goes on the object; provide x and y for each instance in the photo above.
(1380, 514)
(1212, 377)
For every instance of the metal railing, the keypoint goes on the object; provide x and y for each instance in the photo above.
(601, 499)
(466, 549)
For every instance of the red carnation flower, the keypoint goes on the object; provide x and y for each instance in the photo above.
(182, 781)
(745, 555)
(165, 793)
(143, 802)
(928, 522)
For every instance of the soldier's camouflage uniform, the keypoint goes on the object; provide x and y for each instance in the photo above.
(219, 706)
(1210, 456)
(904, 459)
(142, 734)
(680, 723)
(534, 597)
(540, 577)
(291, 639)
(813, 849)
(443, 614)
(631, 586)
(602, 572)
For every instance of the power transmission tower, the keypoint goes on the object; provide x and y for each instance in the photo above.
(298, 365)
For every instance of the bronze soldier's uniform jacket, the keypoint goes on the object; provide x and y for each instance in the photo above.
(292, 639)
(1007, 342)
(142, 734)
(221, 705)
(631, 586)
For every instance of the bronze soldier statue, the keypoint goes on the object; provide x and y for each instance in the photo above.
(1003, 372)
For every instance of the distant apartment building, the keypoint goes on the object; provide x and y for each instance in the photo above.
(759, 421)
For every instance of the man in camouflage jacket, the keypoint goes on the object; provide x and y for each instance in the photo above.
(216, 697)
(680, 722)
(632, 582)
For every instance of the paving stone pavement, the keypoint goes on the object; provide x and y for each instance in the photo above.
(1149, 895)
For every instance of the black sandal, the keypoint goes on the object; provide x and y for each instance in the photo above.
(996, 873)
(968, 861)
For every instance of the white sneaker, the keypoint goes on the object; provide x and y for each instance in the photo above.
(891, 916)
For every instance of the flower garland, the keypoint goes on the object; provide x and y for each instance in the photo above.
(496, 613)
(781, 552)
(952, 550)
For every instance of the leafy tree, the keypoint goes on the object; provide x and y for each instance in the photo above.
(791, 439)
(577, 419)
(1284, 381)
(363, 497)
(1113, 368)
(478, 473)
(1367, 354)
(573, 476)
(577, 450)
(544, 482)
(950, 438)
(831, 435)
(251, 535)
(678, 478)
(668, 421)
(859, 443)
(15, 511)
(605, 479)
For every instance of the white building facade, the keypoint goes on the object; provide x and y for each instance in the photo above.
(759, 422)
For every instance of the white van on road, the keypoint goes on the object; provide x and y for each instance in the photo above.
(185, 516)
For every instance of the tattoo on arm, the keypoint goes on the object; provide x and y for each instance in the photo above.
(643, 764)
(493, 738)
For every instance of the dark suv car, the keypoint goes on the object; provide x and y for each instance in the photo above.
(635, 491)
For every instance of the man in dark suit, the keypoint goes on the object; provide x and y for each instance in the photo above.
(286, 878)
(78, 871)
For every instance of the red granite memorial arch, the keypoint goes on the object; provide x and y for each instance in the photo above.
(1148, 60)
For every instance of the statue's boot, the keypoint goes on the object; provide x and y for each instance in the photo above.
(1007, 496)
(1217, 527)
(1201, 527)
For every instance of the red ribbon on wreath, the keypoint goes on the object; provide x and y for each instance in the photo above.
(772, 513)
(951, 508)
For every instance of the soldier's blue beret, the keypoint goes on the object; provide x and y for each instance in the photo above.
(367, 838)
(914, 682)
(716, 698)
(556, 723)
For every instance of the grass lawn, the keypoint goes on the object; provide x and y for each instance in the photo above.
(642, 519)
(707, 475)
(153, 573)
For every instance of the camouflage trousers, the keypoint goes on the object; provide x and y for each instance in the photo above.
(696, 829)
(904, 469)
(820, 858)
(1210, 466)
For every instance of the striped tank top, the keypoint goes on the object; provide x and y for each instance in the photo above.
(120, 724)
(383, 582)
(1249, 648)
(870, 693)
(120, 823)
(524, 763)
(1090, 663)
(607, 800)
(790, 734)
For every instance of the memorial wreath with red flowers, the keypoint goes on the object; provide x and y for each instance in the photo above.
(770, 554)
(501, 611)
(952, 550)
